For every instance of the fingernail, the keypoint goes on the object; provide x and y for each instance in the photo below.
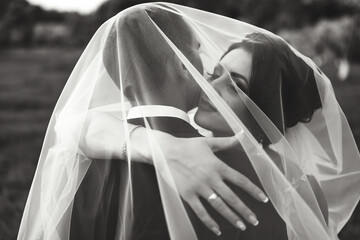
(253, 220)
(263, 197)
(241, 225)
(216, 231)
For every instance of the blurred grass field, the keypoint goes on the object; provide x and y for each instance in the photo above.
(30, 83)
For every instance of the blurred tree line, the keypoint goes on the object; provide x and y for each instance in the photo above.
(26, 25)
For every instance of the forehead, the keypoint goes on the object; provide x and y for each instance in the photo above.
(238, 60)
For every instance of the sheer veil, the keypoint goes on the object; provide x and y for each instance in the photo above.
(297, 127)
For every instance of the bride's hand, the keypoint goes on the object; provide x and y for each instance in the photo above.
(197, 172)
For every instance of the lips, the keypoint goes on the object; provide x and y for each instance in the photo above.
(205, 104)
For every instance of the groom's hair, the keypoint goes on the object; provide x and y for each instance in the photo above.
(134, 29)
(282, 85)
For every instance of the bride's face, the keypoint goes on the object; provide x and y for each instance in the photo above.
(231, 74)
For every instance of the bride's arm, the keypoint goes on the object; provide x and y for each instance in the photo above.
(191, 160)
(103, 137)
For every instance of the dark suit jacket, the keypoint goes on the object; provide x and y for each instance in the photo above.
(149, 221)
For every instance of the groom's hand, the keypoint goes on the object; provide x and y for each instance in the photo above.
(197, 172)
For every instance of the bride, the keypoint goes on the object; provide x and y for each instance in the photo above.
(120, 160)
(263, 70)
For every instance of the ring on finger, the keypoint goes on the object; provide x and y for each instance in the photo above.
(212, 197)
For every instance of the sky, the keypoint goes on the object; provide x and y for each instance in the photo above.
(82, 6)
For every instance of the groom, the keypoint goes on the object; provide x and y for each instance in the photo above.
(97, 212)
(163, 97)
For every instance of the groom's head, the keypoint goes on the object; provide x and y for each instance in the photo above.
(151, 71)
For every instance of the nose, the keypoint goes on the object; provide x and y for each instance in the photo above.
(219, 83)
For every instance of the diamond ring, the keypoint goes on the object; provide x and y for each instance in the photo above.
(212, 196)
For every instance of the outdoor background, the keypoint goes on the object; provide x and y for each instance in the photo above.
(38, 49)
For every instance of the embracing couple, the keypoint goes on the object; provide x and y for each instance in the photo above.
(177, 125)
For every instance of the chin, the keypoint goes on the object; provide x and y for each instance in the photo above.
(213, 122)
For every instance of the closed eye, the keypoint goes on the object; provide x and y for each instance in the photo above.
(241, 83)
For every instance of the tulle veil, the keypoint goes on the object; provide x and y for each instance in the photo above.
(126, 64)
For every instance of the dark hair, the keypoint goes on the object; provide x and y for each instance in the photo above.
(134, 30)
(282, 85)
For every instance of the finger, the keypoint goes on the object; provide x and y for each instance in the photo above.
(243, 182)
(221, 143)
(219, 205)
(204, 216)
(234, 201)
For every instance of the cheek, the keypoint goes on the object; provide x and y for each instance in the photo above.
(239, 107)
(242, 112)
